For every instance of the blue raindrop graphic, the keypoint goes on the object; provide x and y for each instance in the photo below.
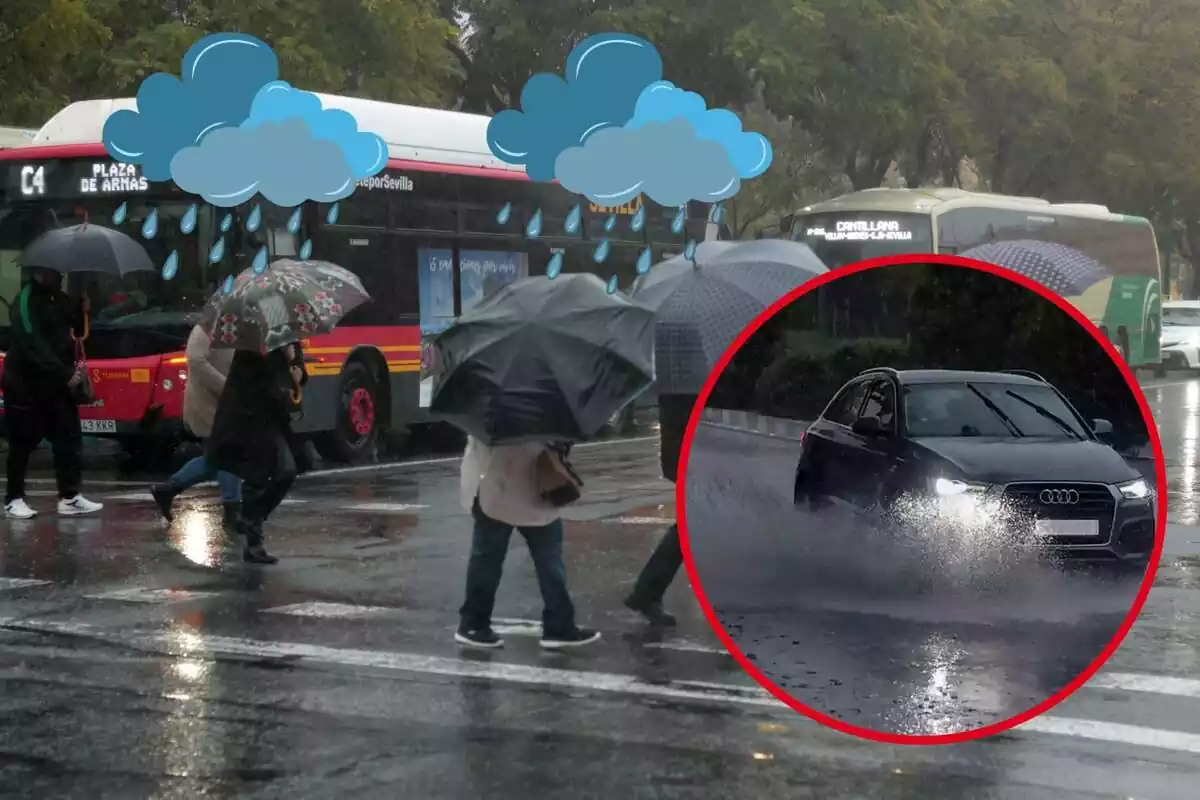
(601, 252)
(643, 262)
(611, 222)
(612, 285)
(335, 211)
(150, 226)
(294, 221)
(680, 218)
(260, 260)
(574, 220)
(188, 223)
(227, 287)
(226, 223)
(306, 250)
(218, 251)
(171, 266)
(689, 250)
(255, 219)
(504, 215)
(717, 214)
(119, 214)
(554, 268)
(639, 220)
(534, 229)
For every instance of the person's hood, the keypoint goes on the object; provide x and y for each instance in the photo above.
(1009, 460)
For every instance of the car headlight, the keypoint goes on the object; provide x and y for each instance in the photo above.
(1135, 490)
(945, 487)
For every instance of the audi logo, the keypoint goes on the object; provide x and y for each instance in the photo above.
(1059, 497)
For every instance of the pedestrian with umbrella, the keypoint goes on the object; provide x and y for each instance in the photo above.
(536, 367)
(262, 318)
(45, 369)
(700, 307)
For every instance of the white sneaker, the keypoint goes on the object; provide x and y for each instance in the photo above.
(77, 506)
(19, 509)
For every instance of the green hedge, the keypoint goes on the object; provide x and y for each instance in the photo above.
(797, 385)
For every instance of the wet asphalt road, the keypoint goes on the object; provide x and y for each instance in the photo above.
(144, 661)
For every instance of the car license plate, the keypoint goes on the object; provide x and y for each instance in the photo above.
(1067, 527)
(98, 425)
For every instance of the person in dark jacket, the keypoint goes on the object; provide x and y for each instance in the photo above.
(252, 435)
(40, 375)
(674, 411)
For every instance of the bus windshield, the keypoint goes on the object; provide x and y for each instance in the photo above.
(840, 238)
(141, 314)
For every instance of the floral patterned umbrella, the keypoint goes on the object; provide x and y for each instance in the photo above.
(286, 302)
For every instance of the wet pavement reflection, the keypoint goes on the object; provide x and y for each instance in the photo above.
(141, 659)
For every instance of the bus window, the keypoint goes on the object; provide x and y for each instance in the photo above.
(964, 228)
(426, 201)
(840, 238)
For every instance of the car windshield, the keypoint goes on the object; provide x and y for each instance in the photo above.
(988, 409)
(1181, 317)
(847, 237)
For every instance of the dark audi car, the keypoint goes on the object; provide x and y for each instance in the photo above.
(989, 448)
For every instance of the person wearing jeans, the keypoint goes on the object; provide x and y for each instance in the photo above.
(499, 486)
(207, 370)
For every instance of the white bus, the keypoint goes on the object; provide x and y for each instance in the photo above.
(1123, 298)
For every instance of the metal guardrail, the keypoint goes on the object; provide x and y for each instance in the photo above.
(749, 422)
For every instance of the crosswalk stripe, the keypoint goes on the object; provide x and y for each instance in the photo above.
(145, 595)
(641, 520)
(1114, 732)
(330, 610)
(1147, 684)
(7, 584)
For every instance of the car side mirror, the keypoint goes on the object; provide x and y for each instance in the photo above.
(868, 426)
(1102, 427)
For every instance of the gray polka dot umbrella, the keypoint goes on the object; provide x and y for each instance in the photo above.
(1061, 269)
(701, 306)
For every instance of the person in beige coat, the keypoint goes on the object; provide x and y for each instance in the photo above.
(207, 369)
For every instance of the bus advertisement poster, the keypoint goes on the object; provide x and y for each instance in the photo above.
(484, 271)
(435, 275)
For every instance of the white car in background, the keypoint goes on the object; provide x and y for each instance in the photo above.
(1181, 334)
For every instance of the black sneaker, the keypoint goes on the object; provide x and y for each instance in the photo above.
(164, 497)
(482, 637)
(576, 638)
(653, 612)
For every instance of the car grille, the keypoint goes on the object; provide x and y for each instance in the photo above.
(1095, 502)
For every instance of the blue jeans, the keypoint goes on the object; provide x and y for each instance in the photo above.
(197, 471)
(489, 546)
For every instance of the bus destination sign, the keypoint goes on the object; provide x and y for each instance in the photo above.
(73, 178)
(862, 231)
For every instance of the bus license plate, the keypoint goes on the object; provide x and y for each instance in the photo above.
(1067, 527)
(98, 425)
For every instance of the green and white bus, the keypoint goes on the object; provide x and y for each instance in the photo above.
(1126, 305)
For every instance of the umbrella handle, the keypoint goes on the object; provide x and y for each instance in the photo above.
(87, 330)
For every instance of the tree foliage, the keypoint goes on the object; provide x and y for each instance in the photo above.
(1083, 100)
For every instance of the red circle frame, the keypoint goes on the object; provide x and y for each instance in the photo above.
(868, 733)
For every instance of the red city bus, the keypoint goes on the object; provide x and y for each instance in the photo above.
(426, 237)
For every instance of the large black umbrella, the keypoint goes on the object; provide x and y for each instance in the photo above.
(701, 306)
(543, 360)
(87, 248)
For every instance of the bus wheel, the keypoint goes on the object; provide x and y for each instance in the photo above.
(1123, 343)
(356, 436)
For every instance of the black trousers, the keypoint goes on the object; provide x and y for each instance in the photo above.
(261, 496)
(54, 417)
(660, 570)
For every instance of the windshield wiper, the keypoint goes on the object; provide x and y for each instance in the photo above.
(1050, 415)
(995, 409)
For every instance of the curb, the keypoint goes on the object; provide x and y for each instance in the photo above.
(749, 422)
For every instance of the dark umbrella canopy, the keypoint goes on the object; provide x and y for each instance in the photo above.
(543, 360)
(87, 248)
(1063, 270)
(700, 308)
